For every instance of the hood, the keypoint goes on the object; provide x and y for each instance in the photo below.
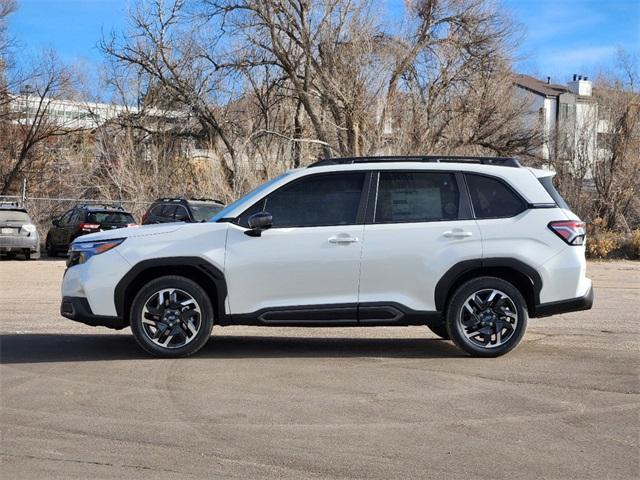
(141, 231)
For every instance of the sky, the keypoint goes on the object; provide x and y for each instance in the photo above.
(559, 37)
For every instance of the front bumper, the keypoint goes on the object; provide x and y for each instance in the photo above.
(584, 302)
(78, 309)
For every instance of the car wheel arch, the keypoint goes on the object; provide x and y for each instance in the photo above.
(524, 277)
(207, 275)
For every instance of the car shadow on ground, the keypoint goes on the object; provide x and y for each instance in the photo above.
(51, 347)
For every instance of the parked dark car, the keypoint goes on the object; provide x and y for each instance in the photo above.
(166, 210)
(83, 219)
(18, 234)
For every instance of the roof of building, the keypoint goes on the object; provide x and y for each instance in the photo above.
(539, 86)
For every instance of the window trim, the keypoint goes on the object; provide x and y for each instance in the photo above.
(464, 207)
(362, 205)
(517, 194)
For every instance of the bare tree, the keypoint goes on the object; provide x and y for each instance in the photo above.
(7, 7)
(616, 168)
(30, 121)
(169, 56)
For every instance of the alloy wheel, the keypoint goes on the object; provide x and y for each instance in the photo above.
(171, 318)
(488, 318)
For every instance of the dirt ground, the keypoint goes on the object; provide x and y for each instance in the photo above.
(375, 403)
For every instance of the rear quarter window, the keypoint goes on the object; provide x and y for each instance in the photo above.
(547, 183)
(492, 198)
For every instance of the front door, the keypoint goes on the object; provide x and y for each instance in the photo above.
(304, 269)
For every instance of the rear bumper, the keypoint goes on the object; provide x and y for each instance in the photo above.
(584, 302)
(18, 243)
(78, 309)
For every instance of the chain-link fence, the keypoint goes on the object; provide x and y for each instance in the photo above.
(43, 210)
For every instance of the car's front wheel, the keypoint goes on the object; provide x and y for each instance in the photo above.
(487, 317)
(171, 316)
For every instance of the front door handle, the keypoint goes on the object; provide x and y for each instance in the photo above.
(457, 234)
(343, 238)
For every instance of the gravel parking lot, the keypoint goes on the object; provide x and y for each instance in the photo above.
(82, 402)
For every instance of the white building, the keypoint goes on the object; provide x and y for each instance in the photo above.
(76, 115)
(66, 114)
(567, 115)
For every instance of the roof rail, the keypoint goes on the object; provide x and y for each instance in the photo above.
(170, 199)
(215, 200)
(183, 199)
(498, 161)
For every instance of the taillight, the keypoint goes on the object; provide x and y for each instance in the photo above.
(87, 227)
(571, 231)
(144, 217)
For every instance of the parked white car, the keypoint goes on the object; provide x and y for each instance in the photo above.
(470, 247)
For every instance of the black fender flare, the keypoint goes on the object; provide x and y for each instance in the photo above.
(204, 267)
(443, 287)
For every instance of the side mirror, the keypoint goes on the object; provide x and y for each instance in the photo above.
(258, 222)
(55, 222)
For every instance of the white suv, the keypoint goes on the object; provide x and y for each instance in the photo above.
(470, 247)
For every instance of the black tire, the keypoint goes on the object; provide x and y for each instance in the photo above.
(440, 329)
(51, 252)
(187, 287)
(462, 323)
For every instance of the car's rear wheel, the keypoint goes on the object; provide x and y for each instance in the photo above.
(171, 316)
(487, 317)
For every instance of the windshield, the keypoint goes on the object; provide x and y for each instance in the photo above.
(204, 211)
(109, 217)
(252, 194)
(14, 216)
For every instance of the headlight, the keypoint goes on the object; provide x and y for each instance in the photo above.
(80, 252)
(29, 228)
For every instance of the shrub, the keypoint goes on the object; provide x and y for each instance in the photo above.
(600, 244)
(634, 243)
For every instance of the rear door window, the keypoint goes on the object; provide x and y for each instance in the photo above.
(492, 198)
(416, 197)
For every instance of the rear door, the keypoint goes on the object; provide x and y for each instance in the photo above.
(419, 225)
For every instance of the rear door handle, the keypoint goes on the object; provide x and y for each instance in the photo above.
(457, 234)
(343, 238)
